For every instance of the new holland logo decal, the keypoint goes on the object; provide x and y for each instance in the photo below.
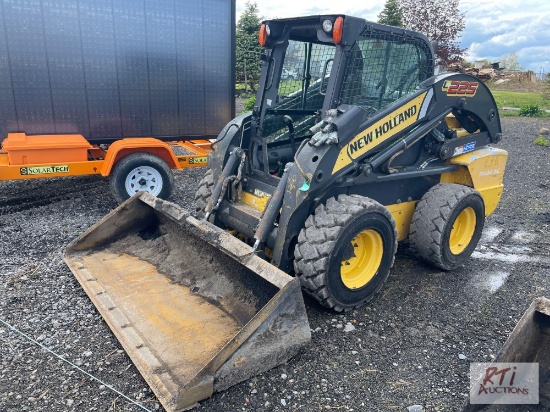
(389, 126)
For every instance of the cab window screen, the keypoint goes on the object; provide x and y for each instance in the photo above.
(301, 75)
(383, 69)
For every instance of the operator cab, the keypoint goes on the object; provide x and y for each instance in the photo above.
(313, 64)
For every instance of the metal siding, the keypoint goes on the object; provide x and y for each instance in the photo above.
(191, 67)
(5, 74)
(116, 68)
(71, 110)
(29, 70)
(161, 47)
(136, 112)
(103, 108)
(65, 64)
(100, 67)
(132, 65)
(217, 57)
(8, 118)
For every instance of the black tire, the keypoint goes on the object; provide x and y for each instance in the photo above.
(204, 193)
(434, 219)
(325, 246)
(142, 171)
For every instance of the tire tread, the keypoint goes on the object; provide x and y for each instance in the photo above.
(430, 218)
(318, 237)
(204, 193)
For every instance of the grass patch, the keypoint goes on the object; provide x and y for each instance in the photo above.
(508, 113)
(542, 141)
(531, 110)
(516, 113)
(519, 99)
(243, 92)
(249, 104)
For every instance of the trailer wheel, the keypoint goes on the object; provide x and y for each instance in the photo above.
(447, 225)
(204, 193)
(141, 172)
(345, 251)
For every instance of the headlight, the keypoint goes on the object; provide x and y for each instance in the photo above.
(327, 26)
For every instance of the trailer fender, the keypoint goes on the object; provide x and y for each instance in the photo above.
(124, 147)
(483, 170)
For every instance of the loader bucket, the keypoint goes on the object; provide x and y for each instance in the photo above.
(529, 342)
(195, 309)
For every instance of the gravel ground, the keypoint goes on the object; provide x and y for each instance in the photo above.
(412, 345)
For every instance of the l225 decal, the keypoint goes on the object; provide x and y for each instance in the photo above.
(460, 88)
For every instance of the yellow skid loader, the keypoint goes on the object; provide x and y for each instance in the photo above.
(360, 148)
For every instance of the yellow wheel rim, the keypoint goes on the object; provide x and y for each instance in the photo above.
(359, 270)
(462, 231)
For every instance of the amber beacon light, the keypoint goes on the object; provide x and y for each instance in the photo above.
(263, 35)
(337, 30)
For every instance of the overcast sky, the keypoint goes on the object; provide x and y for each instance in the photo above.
(493, 27)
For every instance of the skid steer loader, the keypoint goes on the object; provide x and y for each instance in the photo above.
(368, 148)
(360, 148)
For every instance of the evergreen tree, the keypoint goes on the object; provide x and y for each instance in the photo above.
(248, 48)
(391, 14)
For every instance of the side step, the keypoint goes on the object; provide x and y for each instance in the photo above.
(195, 309)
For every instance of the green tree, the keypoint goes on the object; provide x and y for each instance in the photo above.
(391, 14)
(510, 61)
(248, 48)
(440, 21)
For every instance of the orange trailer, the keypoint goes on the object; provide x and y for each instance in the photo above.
(132, 164)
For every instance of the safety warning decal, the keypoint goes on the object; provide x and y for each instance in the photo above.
(468, 147)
